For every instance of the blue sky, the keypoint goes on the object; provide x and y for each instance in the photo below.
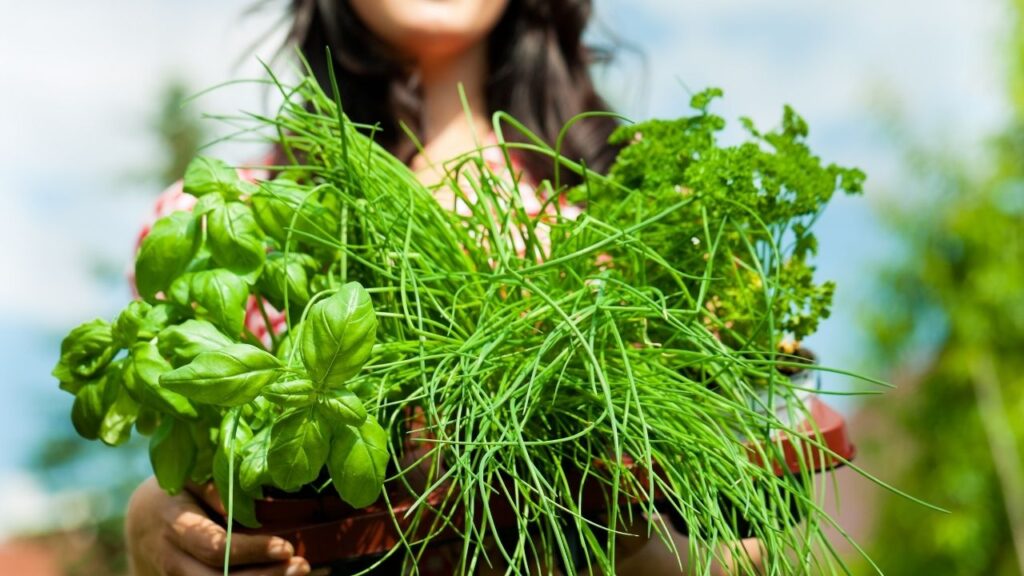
(83, 78)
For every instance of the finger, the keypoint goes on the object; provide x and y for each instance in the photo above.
(205, 540)
(207, 494)
(294, 567)
(178, 563)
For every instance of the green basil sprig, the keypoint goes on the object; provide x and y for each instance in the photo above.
(338, 335)
(142, 376)
(206, 175)
(181, 343)
(358, 461)
(172, 454)
(166, 252)
(229, 376)
(299, 444)
(235, 240)
(181, 365)
(291, 215)
(286, 276)
(84, 353)
(234, 435)
(222, 295)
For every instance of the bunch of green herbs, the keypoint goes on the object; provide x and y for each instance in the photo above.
(748, 215)
(500, 360)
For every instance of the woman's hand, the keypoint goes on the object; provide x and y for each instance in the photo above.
(172, 536)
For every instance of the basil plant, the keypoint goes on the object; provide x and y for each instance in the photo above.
(180, 366)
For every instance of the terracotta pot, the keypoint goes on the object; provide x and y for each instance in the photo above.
(829, 427)
(832, 449)
(328, 532)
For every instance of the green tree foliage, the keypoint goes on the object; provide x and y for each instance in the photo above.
(958, 293)
(960, 287)
(179, 129)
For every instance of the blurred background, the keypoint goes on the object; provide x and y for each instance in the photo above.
(927, 96)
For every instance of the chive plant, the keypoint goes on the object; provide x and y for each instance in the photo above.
(494, 368)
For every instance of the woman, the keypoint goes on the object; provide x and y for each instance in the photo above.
(402, 61)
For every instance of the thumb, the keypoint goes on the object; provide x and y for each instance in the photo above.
(202, 538)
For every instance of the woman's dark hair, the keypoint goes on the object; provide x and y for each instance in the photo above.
(538, 72)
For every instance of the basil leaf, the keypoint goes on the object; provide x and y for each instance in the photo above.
(85, 351)
(291, 394)
(67, 381)
(172, 454)
(244, 506)
(299, 444)
(260, 412)
(285, 210)
(285, 274)
(166, 252)
(208, 203)
(206, 175)
(231, 376)
(321, 283)
(112, 382)
(343, 408)
(285, 344)
(203, 260)
(235, 240)
(87, 411)
(116, 428)
(126, 328)
(142, 376)
(233, 422)
(254, 472)
(159, 317)
(202, 437)
(223, 296)
(358, 462)
(148, 421)
(338, 335)
(141, 321)
(233, 434)
(183, 342)
(120, 409)
(180, 290)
